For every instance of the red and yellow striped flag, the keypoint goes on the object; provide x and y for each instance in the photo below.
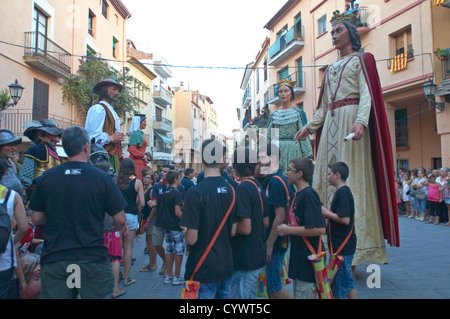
(399, 62)
(438, 3)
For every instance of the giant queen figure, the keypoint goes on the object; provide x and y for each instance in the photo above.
(351, 102)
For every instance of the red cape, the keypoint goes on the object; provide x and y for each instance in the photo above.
(381, 145)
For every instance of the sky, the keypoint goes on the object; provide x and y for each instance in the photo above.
(204, 33)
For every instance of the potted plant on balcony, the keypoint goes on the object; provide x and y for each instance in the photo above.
(442, 54)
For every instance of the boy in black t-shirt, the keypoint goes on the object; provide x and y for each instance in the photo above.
(204, 209)
(174, 238)
(307, 213)
(249, 243)
(341, 218)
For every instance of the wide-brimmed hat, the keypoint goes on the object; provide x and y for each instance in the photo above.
(7, 137)
(108, 82)
(46, 125)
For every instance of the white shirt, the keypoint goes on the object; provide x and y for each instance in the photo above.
(5, 258)
(95, 121)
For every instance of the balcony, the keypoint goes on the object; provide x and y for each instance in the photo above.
(409, 58)
(162, 96)
(47, 56)
(163, 68)
(285, 46)
(446, 3)
(14, 120)
(299, 87)
(247, 98)
(162, 124)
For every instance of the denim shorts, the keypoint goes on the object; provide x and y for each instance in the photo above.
(245, 284)
(273, 273)
(447, 200)
(343, 280)
(215, 290)
(132, 221)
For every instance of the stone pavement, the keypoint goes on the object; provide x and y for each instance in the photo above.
(418, 269)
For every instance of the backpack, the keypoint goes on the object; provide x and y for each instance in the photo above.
(5, 222)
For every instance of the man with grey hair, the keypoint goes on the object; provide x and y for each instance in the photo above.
(71, 200)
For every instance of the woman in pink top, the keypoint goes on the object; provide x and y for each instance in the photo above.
(435, 198)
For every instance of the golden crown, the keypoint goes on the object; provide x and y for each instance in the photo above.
(338, 17)
(285, 81)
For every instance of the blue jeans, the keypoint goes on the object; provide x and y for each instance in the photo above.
(421, 205)
(273, 273)
(245, 283)
(215, 290)
(343, 280)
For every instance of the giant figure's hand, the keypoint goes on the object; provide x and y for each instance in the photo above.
(117, 137)
(358, 129)
(302, 134)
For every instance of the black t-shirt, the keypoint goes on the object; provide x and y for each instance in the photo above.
(74, 197)
(187, 183)
(277, 196)
(170, 220)
(249, 251)
(147, 209)
(204, 209)
(344, 206)
(130, 196)
(307, 210)
(158, 191)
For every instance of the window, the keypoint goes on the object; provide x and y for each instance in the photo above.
(298, 26)
(91, 23)
(401, 128)
(322, 24)
(40, 100)
(265, 68)
(284, 73)
(105, 9)
(115, 48)
(402, 42)
(40, 21)
(402, 163)
(257, 80)
(300, 72)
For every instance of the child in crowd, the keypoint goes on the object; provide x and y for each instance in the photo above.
(307, 213)
(249, 243)
(412, 199)
(341, 230)
(174, 238)
(435, 198)
(406, 180)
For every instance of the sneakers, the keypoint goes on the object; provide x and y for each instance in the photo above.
(178, 281)
(168, 280)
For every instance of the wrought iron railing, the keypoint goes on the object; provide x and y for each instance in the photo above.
(37, 44)
(14, 120)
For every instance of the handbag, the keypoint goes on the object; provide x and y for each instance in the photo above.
(191, 287)
(420, 194)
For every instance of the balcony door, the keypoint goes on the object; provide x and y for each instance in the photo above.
(40, 26)
(40, 100)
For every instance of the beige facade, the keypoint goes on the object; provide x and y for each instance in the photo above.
(143, 90)
(52, 36)
(195, 121)
(301, 49)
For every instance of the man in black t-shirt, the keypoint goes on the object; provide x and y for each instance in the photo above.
(71, 200)
(204, 209)
(249, 243)
(341, 230)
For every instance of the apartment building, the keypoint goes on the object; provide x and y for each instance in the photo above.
(143, 74)
(301, 50)
(45, 46)
(195, 121)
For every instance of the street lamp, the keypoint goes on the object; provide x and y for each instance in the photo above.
(429, 89)
(15, 93)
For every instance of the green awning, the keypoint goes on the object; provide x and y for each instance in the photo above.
(164, 138)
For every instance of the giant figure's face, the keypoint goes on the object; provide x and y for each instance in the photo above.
(340, 36)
